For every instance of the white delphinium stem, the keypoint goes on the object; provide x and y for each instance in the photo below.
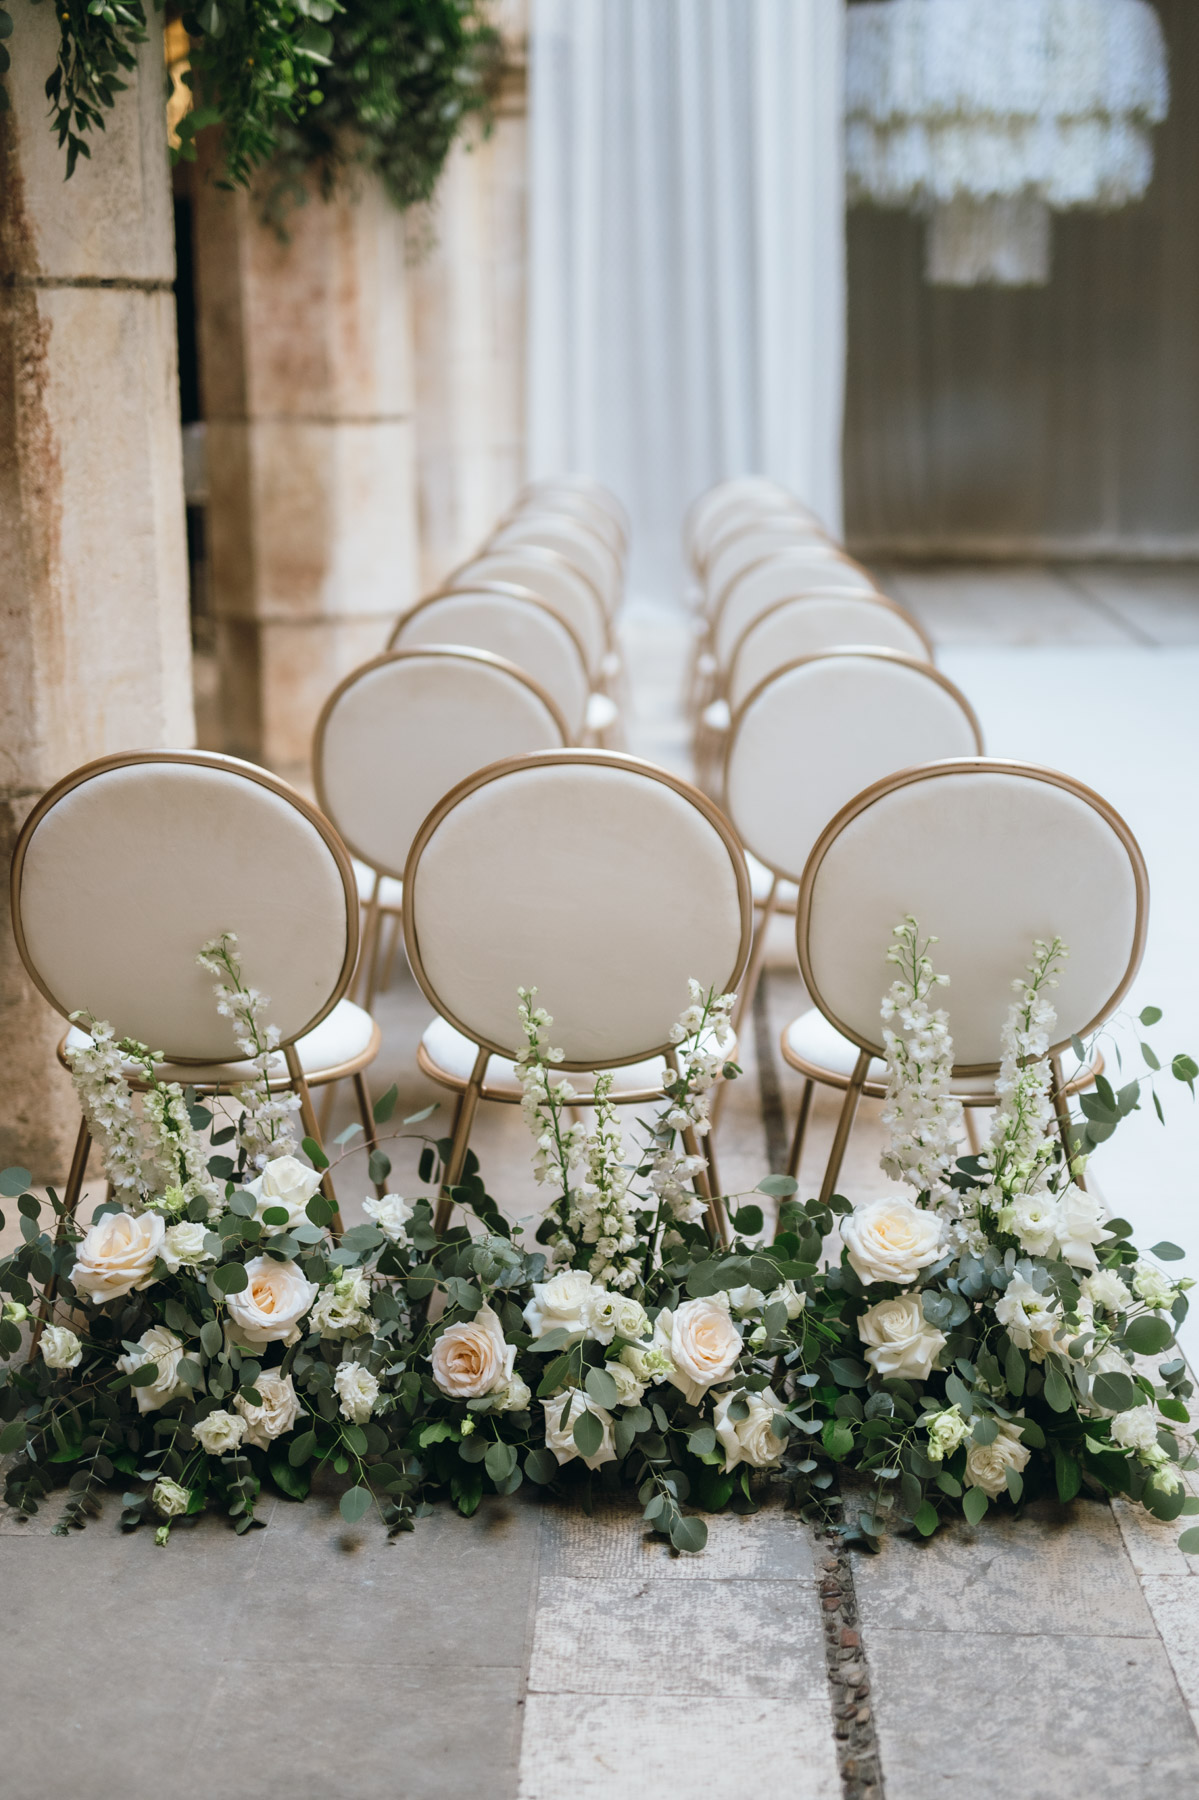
(1022, 1146)
(601, 1208)
(265, 1128)
(921, 1113)
(98, 1072)
(559, 1147)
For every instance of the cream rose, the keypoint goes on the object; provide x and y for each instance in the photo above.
(610, 1315)
(890, 1239)
(117, 1255)
(60, 1348)
(987, 1464)
(517, 1396)
(749, 1440)
(219, 1433)
(704, 1345)
(559, 1430)
(162, 1348)
(286, 1182)
(269, 1309)
(276, 1413)
(184, 1243)
(357, 1391)
(471, 1358)
(563, 1302)
(901, 1341)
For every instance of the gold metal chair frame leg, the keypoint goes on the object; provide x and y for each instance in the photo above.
(70, 1201)
(308, 1118)
(464, 1120)
(1062, 1112)
(849, 1107)
(801, 1126)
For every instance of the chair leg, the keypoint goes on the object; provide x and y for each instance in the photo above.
(849, 1107)
(708, 1149)
(1061, 1107)
(70, 1202)
(972, 1137)
(801, 1126)
(365, 1113)
(312, 1130)
(461, 1141)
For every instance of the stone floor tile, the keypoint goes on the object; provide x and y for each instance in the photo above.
(1005, 605)
(732, 1639)
(1160, 603)
(613, 1542)
(1028, 1717)
(1152, 1545)
(673, 1749)
(1174, 1603)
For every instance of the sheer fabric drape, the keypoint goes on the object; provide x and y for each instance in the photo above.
(686, 315)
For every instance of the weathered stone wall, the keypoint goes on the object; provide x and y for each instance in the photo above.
(94, 647)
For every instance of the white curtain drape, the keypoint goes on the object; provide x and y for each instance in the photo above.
(686, 304)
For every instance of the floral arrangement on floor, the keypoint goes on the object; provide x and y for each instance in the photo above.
(212, 1330)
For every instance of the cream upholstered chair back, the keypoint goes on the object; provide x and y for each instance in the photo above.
(740, 550)
(572, 490)
(734, 503)
(988, 856)
(401, 731)
(572, 538)
(574, 503)
(817, 732)
(603, 882)
(548, 575)
(786, 575)
(510, 622)
(816, 622)
(127, 866)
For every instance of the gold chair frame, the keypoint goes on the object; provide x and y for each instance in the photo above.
(473, 1090)
(546, 559)
(856, 1084)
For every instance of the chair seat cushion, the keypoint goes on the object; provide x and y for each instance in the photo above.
(453, 1055)
(760, 879)
(811, 1040)
(391, 891)
(342, 1037)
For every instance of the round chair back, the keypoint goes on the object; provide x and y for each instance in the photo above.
(816, 733)
(575, 503)
(578, 487)
(512, 623)
(786, 575)
(740, 500)
(582, 547)
(401, 731)
(125, 868)
(604, 882)
(988, 856)
(548, 575)
(741, 549)
(817, 622)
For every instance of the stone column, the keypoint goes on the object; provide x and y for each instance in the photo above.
(94, 646)
(306, 379)
(468, 291)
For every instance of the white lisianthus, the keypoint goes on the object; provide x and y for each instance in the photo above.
(162, 1348)
(473, 1358)
(269, 1309)
(1034, 1219)
(1029, 1318)
(117, 1256)
(563, 1302)
(184, 1243)
(612, 1315)
(891, 1239)
(517, 1396)
(1165, 1478)
(1104, 1288)
(220, 1432)
(392, 1214)
(704, 1345)
(987, 1464)
(1080, 1226)
(946, 1430)
(168, 1498)
(276, 1413)
(751, 1439)
(341, 1308)
(13, 1312)
(650, 1362)
(60, 1348)
(746, 1299)
(1136, 1429)
(788, 1295)
(1153, 1286)
(628, 1389)
(560, 1415)
(357, 1391)
(285, 1182)
(901, 1342)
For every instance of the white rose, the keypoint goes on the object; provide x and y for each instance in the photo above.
(987, 1464)
(1136, 1429)
(357, 1391)
(269, 1309)
(1151, 1286)
(749, 1440)
(341, 1308)
(517, 1396)
(220, 1432)
(276, 1413)
(1030, 1320)
(168, 1498)
(564, 1301)
(286, 1182)
(1080, 1225)
(164, 1349)
(890, 1239)
(184, 1244)
(60, 1348)
(704, 1345)
(472, 1358)
(117, 1255)
(612, 1315)
(902, 1342)
(391, 1214)
(628, 1389)
(1105, 1289)
(559, 1434)
(788, 1295)
(746, 1299)
(1034, 1219)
